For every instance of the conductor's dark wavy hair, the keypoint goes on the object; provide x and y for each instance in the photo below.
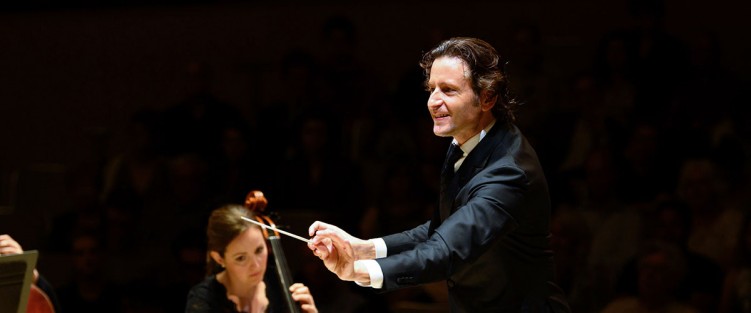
(486, 71)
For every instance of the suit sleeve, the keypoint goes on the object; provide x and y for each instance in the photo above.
(406, 240)
(493, 203)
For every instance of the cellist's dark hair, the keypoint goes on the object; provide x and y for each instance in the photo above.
(225, 223)
(486, 71)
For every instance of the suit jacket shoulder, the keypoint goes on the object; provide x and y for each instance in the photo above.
(493, 246)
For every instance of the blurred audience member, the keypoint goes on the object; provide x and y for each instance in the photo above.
(714, 225)
(646, 173)
(702, 285)
(194, 125)
(530, 81)
(89, 290)
(316, 177)
(571, 240)
(661, 59)
(139, 174)
(299, 77)
(616, 227)
(661, 268)
(238, 168)
(614, 78)
(736, 293)
(404, 202)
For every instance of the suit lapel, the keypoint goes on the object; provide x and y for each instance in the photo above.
(475, 161)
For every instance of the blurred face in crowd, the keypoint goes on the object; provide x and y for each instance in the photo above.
(671, 227)
(457, 111)
(314, 136)
(657, 279)
(698, 185)
(88, 256)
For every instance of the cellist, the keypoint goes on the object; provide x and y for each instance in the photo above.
(237, 258)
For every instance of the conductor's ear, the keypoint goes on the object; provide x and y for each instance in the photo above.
(487, 100)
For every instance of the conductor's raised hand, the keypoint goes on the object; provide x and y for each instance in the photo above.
(335, 252)
(363, 249)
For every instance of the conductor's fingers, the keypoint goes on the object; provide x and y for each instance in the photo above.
(321, 247)
(317, 225)
(335, 236)
(333, 240)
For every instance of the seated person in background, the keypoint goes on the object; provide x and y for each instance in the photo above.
(701, 286)
(9, 246)
(660, 269)
(236, 269)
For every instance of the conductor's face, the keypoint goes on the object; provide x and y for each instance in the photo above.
(453, 104)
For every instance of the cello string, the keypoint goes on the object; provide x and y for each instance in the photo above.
(276, 229)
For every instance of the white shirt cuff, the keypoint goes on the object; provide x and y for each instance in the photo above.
(375, 272)
(380, 247)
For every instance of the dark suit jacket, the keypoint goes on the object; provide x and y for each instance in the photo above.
(493, 249)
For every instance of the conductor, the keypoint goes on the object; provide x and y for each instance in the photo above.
(489, 237)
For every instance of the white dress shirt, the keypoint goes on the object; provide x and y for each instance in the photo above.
(374, 269)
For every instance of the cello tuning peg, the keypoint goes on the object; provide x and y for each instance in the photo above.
(256, 201)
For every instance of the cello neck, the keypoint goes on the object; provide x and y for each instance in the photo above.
(282, 271)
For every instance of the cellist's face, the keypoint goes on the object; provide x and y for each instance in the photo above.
(245, 257)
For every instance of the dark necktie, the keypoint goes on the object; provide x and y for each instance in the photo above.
(454, 154)
(447, 174)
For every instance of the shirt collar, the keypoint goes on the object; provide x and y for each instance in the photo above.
(472, 142)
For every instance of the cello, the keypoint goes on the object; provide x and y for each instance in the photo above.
(39, 302)
(256, 202)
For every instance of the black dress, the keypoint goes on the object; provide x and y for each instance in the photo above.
(210, 296)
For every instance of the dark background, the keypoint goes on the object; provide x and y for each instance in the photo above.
(70, 72)
(74, 74)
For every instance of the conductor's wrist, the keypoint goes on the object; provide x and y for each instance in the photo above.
(364, 250)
